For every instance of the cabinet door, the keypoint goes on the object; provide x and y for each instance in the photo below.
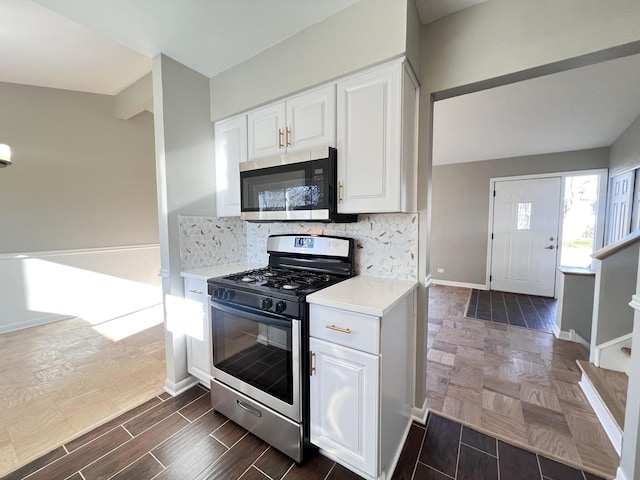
(196, 312)
(231, 149)
(344, 404)
(267, 131)
(311, 119)
(199, 353)
(369, 141)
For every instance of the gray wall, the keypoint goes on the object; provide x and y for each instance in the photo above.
(503, 37)
(625, 151)
(80, 177)
(363, 34)
(460, 207)
(186, 185)
(499, 41)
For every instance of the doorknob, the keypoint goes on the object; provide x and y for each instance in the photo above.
(550, 247)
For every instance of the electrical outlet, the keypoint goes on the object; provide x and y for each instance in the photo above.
(441, 270)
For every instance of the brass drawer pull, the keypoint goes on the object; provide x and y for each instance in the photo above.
(339, 329)
(280, 144)
(197, 292)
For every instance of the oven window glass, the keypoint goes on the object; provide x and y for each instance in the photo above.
(257, 353)
(299, 186)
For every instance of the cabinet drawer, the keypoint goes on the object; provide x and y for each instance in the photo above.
(195, 289)
(354, 330)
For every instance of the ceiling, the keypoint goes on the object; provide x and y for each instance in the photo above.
(102, 46)
(578, 109)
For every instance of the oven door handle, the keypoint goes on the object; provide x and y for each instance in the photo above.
(262, 317)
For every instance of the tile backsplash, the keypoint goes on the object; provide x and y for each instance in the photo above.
(386, 244)
(209, 241)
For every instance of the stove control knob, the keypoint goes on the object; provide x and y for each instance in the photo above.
(266, 303)
(218, 292)
(281, 306)
(228, 294)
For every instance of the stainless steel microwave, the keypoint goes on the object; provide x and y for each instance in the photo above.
(292, 187)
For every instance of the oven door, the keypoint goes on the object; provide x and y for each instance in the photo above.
(258, 354)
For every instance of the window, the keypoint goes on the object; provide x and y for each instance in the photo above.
(579, 221)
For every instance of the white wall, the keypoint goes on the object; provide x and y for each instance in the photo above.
(363, 34)
(185, 166)
(94, 284)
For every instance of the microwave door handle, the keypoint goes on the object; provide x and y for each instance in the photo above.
(266, 317)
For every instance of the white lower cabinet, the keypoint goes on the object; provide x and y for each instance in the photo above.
(344, 404)
(361, 385)
(198, 330)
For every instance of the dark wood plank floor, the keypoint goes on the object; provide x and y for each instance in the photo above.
(528, 311)
(182, 438)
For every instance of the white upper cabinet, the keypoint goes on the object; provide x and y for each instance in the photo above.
(371, 117)
(231, 149)
(267, 131)
(303, 121)
(376, 141)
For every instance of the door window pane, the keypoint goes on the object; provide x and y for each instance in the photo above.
(524, 216)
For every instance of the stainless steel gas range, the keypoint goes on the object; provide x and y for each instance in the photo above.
(259, 329)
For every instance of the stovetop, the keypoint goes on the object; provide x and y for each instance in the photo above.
(298, 265)
(284, 282)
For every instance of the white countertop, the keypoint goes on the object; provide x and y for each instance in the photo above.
(363, 294)
(219, 270)
(577, 271)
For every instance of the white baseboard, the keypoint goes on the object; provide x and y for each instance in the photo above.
(620, 474)
(44, 287)
(606, 420)
(609, 354)
(33, 322)
(419, 414)
(181, 386)
(576, 337)
(571, 336)
(450, 283)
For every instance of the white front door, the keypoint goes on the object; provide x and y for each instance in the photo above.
(526, 220)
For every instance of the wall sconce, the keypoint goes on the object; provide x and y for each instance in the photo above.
(5, 155)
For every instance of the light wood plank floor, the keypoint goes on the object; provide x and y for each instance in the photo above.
(60, 380)
(516, 384)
